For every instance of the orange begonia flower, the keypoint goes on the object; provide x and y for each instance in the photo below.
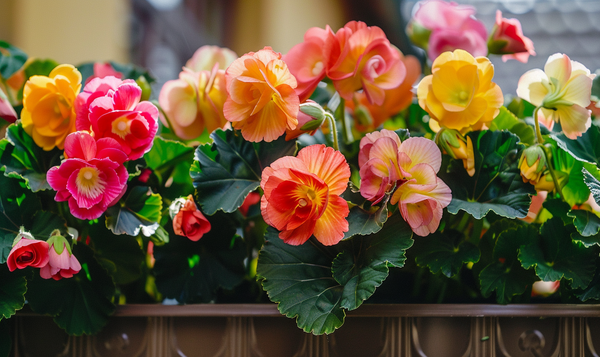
(460, 93)
(302, 195)
(48, 113)
(261, 100)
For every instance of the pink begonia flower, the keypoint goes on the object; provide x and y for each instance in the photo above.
(92, 178)
(544, 288)
(62, 262)
(411, 167)
(120, 115)
(7, 112)
(97, 87)
(205, 58)
(310, 60)
(367, 60)
(102, 70)
(507, 39)
(452, 27)
(27, 252)
(562, 91)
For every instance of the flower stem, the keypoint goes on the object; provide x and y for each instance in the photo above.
(540, 140)
(333, 130)
(340, 114)
(538, 133)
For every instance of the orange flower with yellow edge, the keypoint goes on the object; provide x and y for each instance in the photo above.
(261, 100)
(302, 195)
(459, 93)
(48, 114)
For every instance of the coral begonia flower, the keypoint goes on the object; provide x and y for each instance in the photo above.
(27, 252)
(92, 178)
(48, 114)
(563, 91)
(460, 93)
(121, 116)
(62, 263)
(261, 100)
(194, 102)
(367, 60)
(302, 195)
(507, 39)
(396, 99)
(190, 222)
(310, 60)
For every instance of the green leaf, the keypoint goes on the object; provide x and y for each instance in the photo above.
(445, 252)
(226, 171)
(170, 159)
(11, 59)
(506, 120)
(364, 263)
(122, 256)
(43, 223)
(575, 190)
(585, 148)
(593, 184)
(586, 222)
(193, 271)
(299, 280)
(81, 304)
(505, 274)
(12, 292)
(6, 243)
(40, 67)
(19, 155)
(17, 205)
(361, 222)
(554, 256)
(140, 210)
(496, 185)
(592, 291)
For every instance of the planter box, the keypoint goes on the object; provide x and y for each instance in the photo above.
(243, 330)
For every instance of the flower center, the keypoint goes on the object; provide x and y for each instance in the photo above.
(25, 257)
(463, 95)
(121, 127)
(317, 68)
(89, 183)
(302, 202)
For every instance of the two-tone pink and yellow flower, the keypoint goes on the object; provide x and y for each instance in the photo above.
(92, 178)
(409, 170)
(562, 91)
(302, 195)
(460, 94)
(261, 100)
(119, 114)
(48, 114)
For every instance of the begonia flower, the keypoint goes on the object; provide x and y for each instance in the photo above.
(92, 178)
(120, 115)
(544, 288)
(562, 91)
(367, 61)
(27, 251)
(48, 114)
(532, 164)
(409, 170)
(205, 58)
(189, 221)
(7, 112)
(61, 263)
(261, 100)
(302, 195)
(460, 94)
(507, 39)
(102, 70)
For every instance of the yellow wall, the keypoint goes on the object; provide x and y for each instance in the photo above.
(68, 31)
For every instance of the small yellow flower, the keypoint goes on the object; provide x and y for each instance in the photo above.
(460, 93)
(48, 114)
(532, 164)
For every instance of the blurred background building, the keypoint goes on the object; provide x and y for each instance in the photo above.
(161, 35)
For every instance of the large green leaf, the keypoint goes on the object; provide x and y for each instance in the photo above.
(593, 185)
(193, 271)
(11, 59)
(364, 263)
(121, 255)
(585, 148)
(226, 171)
(506, 120)
(17, 205)
(554, 256)
(81, 304)
(170, 159)
(12, 291)
(496, 185)
(505, 274)
(592, 291)
(574, 190)
(19, 155)
(445, 252)
(361, 222)
(586, 222)
(299, 280)
(141, 210)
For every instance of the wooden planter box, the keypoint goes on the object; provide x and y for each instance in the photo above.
(244, 330)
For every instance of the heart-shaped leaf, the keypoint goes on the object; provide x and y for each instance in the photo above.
(170, 159)
(12, 291)
(361, 222)
(141, 211)
(445, 252)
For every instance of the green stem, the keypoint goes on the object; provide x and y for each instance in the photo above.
(540, 141)
(333, 130)
(11, 100)
(538, 133)
(476, 232)
(340, 114)
(462, 225)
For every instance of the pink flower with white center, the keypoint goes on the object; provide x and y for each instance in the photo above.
(62, 263)
(119, 114)
(92, 178)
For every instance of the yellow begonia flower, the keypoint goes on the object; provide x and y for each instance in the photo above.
(563, 91)
(460, 93)
(48, 115)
